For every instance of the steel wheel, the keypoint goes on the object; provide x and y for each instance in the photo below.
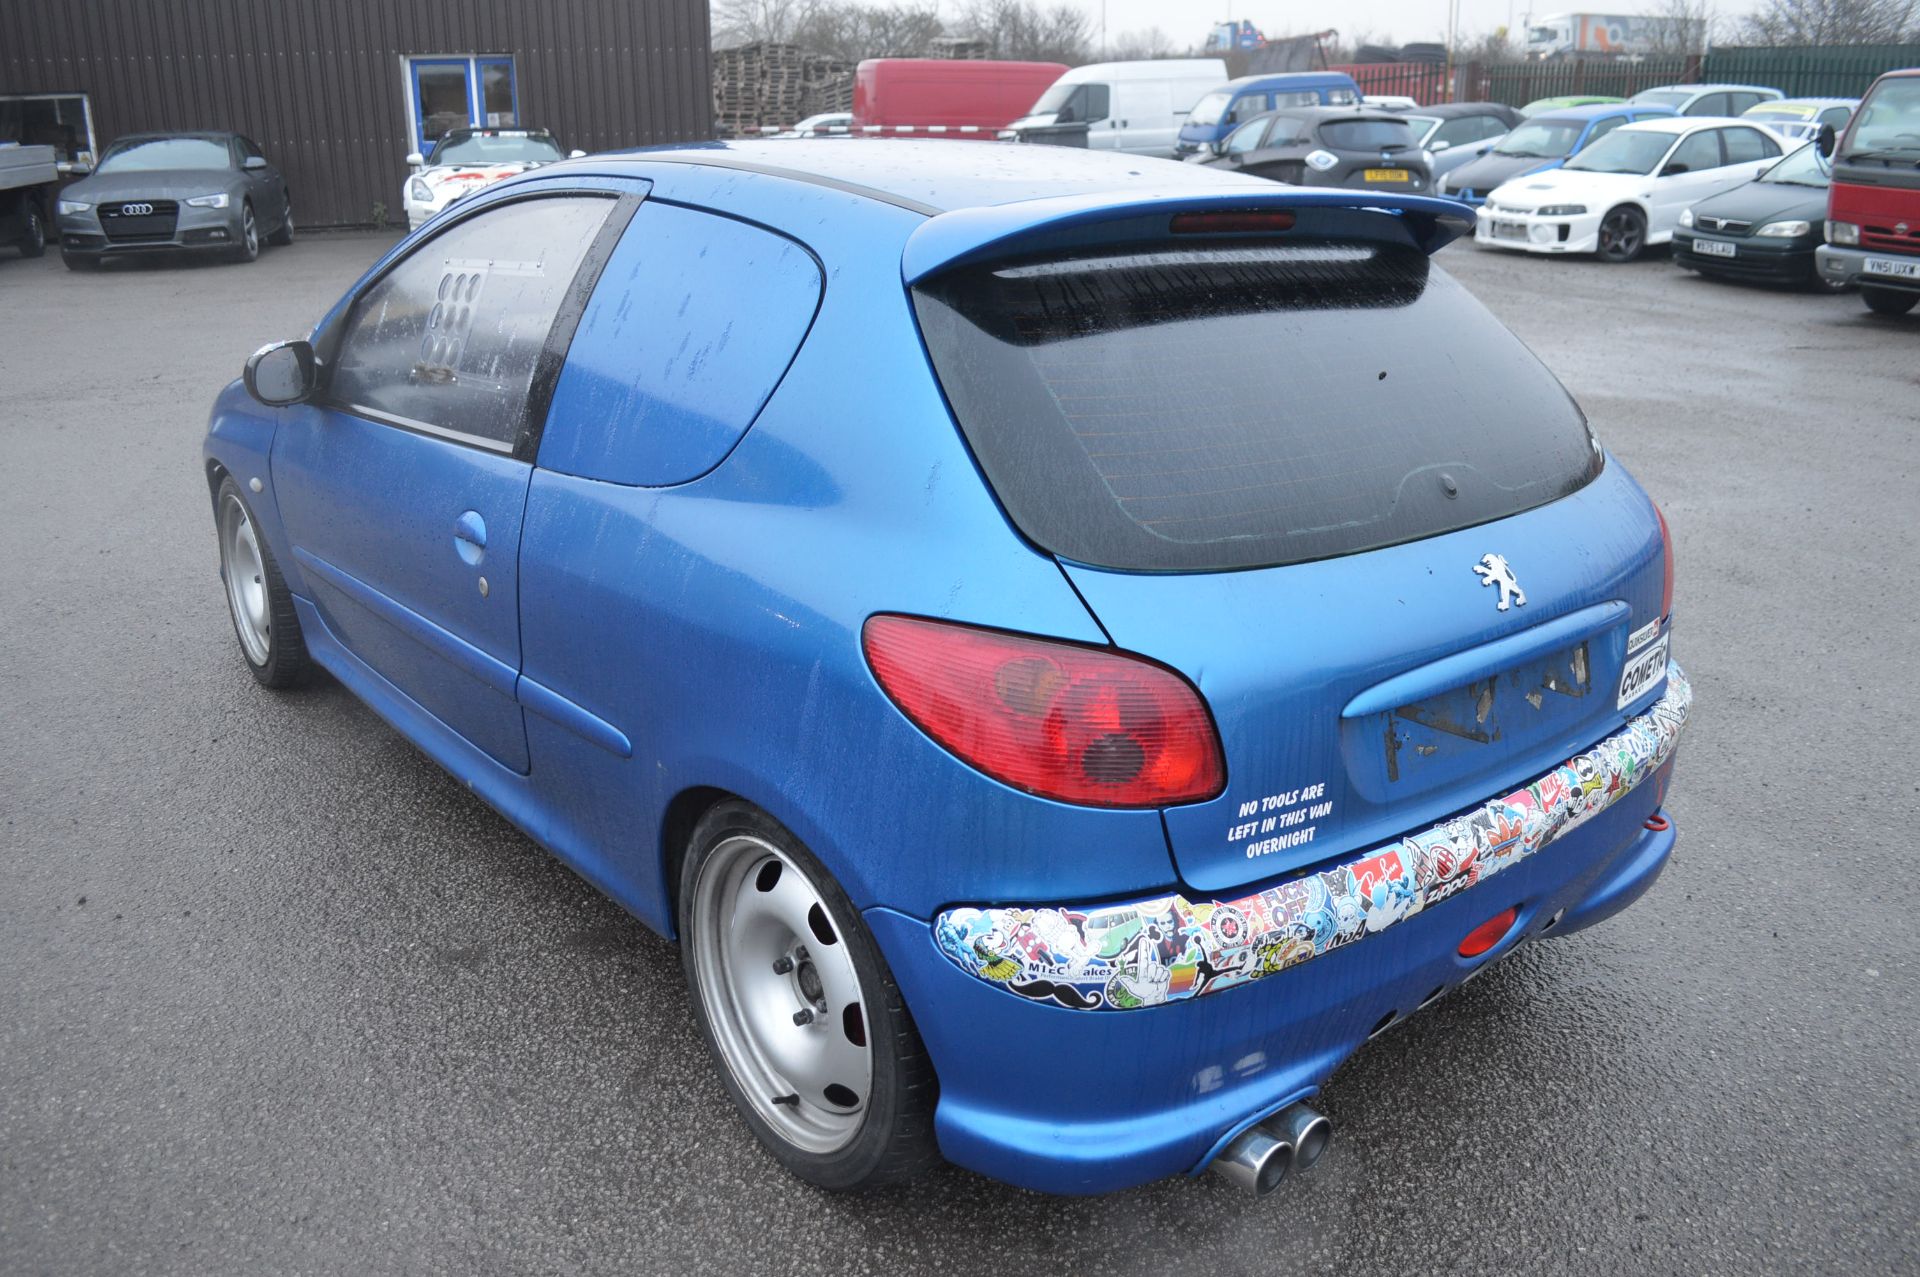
(781, 995)
(1623, 233)
(245, 573)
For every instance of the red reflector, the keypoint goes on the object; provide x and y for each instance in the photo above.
(1231, 223)
(1488, 934)
(1078, 724)
(1666, 564)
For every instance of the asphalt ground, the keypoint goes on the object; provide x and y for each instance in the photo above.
(277, 995)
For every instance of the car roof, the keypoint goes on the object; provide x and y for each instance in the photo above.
(1453, 110)
(1144, 69)
(1598, 111)
(1683, 124)
(1293, 80)
(206, 135)
(1707, 88)
(937, 175)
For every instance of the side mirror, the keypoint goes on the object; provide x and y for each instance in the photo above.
(254, 162)
(416, 160)
(1438, 147)
(576, 155)
(1672, 170)
(281, 374)
(1825, 140)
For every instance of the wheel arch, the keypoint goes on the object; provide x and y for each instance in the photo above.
(683, 812)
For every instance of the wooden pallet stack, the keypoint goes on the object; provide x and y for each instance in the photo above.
(763, 86)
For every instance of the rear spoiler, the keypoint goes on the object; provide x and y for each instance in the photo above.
(1110, 218)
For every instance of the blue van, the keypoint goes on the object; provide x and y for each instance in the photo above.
(1237, 101)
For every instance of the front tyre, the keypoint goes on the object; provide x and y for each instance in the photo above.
(249, 247)
(1887, 301)
(1623, 234)
(813, 1039)
(258, 599)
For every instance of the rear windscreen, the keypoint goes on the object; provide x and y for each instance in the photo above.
(1230, 407)
(1366, 135)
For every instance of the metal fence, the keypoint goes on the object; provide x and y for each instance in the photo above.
(1798, 72)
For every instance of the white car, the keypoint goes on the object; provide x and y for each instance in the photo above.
(1627, 190)
(826, 124)
(1799, 119)
(465, 160)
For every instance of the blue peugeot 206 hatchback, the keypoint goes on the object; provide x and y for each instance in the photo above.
(1070, 647)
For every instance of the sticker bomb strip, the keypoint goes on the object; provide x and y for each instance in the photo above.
(1150, 952)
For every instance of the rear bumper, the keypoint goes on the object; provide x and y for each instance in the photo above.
(1849, 266)
(1087, 1100)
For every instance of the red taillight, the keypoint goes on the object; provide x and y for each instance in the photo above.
(1488, 934)
(1666, 564)
(1073, 723)
(1249, 221)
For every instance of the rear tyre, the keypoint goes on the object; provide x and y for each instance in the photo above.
(258, 599)
(1623, 234)
(33, 240)
(1888, 301)
(810, 1032)
(284, 236)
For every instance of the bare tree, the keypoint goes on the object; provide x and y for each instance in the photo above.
(737, 22)
(851, 31)
(1022, 30)
(1140, 46)
(1680, 27)
(1832, 22)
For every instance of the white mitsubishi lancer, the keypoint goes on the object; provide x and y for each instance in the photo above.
(1626, 190)
(466, 160)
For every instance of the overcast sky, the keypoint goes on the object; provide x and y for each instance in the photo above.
(1401, 20)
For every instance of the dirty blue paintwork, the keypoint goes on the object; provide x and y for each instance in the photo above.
(643, 643)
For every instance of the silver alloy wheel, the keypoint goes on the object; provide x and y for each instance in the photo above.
(249, 231)
(245, 571)
(781, 994)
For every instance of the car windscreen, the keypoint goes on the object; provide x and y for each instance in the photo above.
(1888, 121)
(1211, 408)
(1053, 98)
(1542, 139)
(1802, 168)
(1366, 135)
(1209, 109)
(1623, 151)
(497, 148)
(159, 154)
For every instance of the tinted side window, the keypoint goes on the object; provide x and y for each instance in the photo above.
(691, 327)
(1097, 101)
(1247, 137)
(1836, 116)
(1747, 145)
(1603, 127)
(450, 336)
(1697, 154)
(1245, 108)
(1711, 104)
(1739, 102)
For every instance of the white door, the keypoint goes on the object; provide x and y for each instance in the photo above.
(1692, 171)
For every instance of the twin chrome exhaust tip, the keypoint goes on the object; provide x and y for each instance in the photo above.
(1260, 1157)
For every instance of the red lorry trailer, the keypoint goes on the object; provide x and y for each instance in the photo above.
(1873, 206)
(946, 97)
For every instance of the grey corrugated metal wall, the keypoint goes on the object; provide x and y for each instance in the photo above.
(319, 83)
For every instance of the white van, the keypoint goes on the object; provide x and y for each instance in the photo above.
(1136, 107)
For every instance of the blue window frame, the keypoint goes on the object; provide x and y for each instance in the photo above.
(449, 92)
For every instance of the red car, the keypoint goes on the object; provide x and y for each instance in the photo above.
(946, 96)
(1873, 207)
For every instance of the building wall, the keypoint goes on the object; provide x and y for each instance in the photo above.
(320, 84)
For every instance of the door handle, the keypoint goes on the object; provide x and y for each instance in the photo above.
(470, 537)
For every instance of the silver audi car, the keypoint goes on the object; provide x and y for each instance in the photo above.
(172, 192)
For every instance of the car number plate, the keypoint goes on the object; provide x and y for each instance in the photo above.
(1509, 230)
(1713, 247)
(1387, 175)
(1641, 673)
(1882, 265)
